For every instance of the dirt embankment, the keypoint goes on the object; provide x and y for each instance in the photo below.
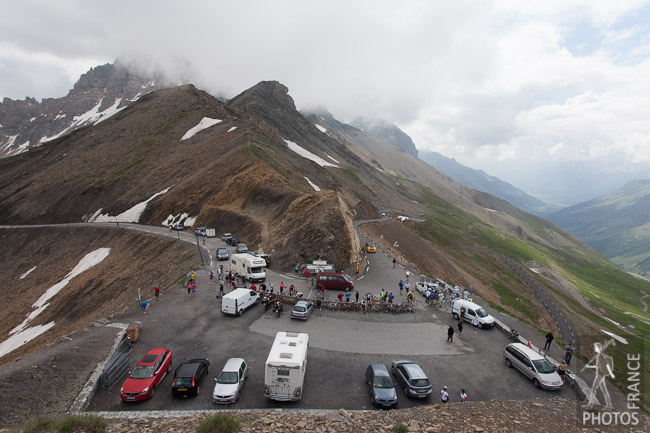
(47, 255)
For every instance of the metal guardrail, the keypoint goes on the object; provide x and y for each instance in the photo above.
(117, 364)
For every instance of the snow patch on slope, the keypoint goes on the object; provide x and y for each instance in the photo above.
(313, 185)
(21, 334)
(205, 123)
(128, 216)
(320, 128)
(307, 154)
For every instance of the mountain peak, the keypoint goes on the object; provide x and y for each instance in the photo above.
(271, 93)
(388, 132)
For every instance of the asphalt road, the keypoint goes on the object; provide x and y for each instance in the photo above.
(342, 344)
(561, 321)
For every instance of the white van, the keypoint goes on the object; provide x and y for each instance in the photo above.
(471, 311)
(238, 300)
(284, 372)
(249, 267)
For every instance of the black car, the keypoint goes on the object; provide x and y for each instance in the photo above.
(188, 376)
(222, 254)
(232, 241)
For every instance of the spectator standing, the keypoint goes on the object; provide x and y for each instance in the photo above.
(193, 276)
(211, 277)
(549, 340)
(156, 292)
(394, 261)
(319, 307)
(220, 290)
(401, 286)
(407, 286)
(463, 396)
(193, 290)
(475, 324)
(189, 288)
(444, 395)
(356, 296)
(450, 334)
(460, 327)
(568, 354)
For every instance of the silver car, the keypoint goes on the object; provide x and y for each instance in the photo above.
(412, 379)
(241, 247)
(230, 381)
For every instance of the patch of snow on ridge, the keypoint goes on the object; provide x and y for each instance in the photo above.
(205, 123)
(307, 154)
(313, 185)
(131, 215)
(27, 273)
(232, 129)
(21, 334)
(189, 222)
(320, 128)
(327, 155)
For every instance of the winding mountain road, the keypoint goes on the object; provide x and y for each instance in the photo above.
(563, 324)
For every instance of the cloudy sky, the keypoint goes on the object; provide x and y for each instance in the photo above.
(519, 89)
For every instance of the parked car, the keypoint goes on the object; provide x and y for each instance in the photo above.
(412, 379)
(188, 375)
(232, 241)
(225, 236)
(230, 381)
(222, 254)
(333, 281)
(422, 287)
(241, 247)
(200, 231)
(532, 365)
(147, 375)
(302, 310)
(381, 386)
(178, 226)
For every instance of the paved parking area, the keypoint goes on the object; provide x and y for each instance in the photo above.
(342, 344)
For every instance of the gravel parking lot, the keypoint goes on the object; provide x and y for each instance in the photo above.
(342, 344)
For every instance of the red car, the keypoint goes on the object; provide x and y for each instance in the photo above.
(147, 375)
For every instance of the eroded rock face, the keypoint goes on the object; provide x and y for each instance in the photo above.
(103, 89)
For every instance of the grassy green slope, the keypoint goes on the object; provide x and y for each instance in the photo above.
(612, 292)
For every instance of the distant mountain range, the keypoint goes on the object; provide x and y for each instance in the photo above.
(617, 225)
(480, 180)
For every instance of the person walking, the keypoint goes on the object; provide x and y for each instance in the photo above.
(220, 290)
(444, 395)
(211, 277)
(189, 288)
(394, 261)
(356, 296)
(450, 334)
(193, 290)
(408, 274)
(549, 339)
(156, 292)
(568, 353)
(319, 307)
(401, 286)
(192, 276)
(460, 327)
(463, 396)
(475, 324)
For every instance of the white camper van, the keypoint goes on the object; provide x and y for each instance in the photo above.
(239, 300)
(285, 367)
(251, 268)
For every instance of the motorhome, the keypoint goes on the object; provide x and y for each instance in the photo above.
(248, 267)
(284, 372)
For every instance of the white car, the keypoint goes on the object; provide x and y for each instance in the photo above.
(422, 287)
(230, 381)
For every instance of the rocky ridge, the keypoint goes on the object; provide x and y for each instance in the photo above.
(542, 415)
